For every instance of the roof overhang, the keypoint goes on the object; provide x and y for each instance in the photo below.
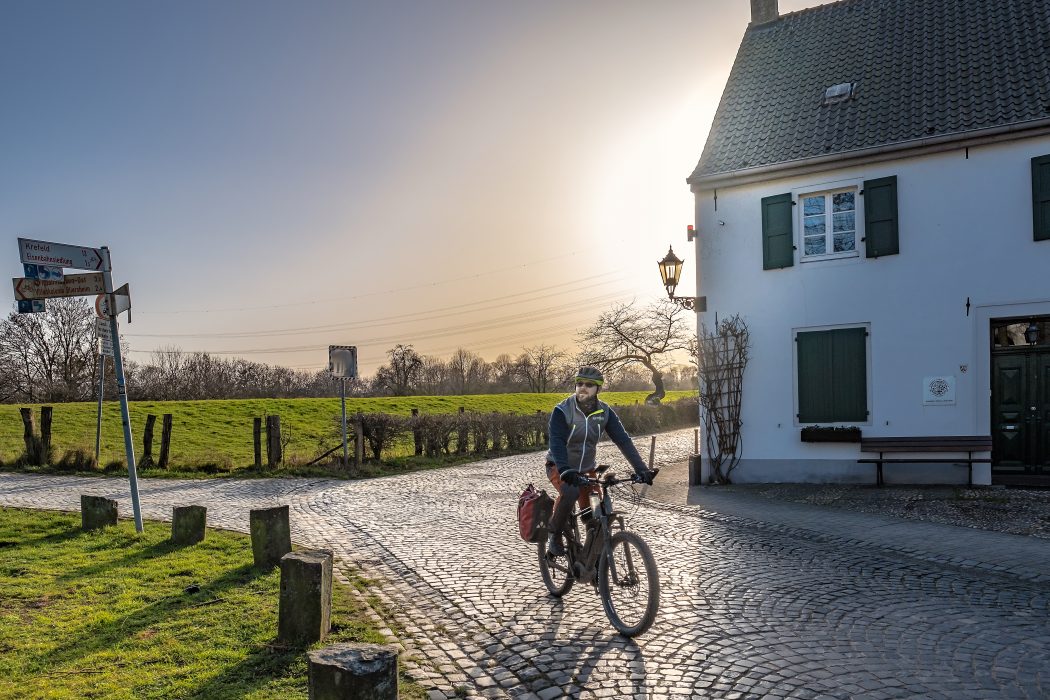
(876, 154)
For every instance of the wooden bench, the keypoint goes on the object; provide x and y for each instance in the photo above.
(927, 444)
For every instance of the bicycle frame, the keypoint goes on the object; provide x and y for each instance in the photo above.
(583, 557)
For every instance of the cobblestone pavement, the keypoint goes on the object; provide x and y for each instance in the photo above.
(756, 602)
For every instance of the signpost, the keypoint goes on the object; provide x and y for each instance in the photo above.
(342, 363)
(69, 286)
(43, 272)
(28, 290)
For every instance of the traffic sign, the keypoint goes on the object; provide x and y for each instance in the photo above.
(105, 347)
(59, 254)
(121, 302)
(31, 306)
(102, 329)
(43, 272)
(71, 286)
(342, 361)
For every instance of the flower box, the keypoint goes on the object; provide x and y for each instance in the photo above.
(819, 433)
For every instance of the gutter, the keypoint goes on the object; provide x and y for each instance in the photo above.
(913, 147)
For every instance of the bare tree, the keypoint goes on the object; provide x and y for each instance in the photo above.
(467, 372)
(401, 374)
(539, 367)
(49, 356)
(628, 335)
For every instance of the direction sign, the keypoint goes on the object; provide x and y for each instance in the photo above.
(43, 272)
(71, 286)
(59, 254)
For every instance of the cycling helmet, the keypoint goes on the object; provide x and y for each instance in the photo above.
(590, 374)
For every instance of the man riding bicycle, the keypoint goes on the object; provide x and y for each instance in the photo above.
(576, 425)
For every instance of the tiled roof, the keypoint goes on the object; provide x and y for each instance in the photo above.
(922, 68)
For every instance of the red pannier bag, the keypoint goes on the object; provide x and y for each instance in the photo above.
(534, 510)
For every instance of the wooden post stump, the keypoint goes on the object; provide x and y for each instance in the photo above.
(305, 611)
(257, 441)
(273, 441)
(29, 436)
(147, 442)
(188, 524)
(165, 441)
(97, 512)
(417, 436)
(461, 433)
(353, 672)
(359, 440)
(694, 471)
(45, 434)
(271, 535)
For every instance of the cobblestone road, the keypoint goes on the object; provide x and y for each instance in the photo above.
(747, 610)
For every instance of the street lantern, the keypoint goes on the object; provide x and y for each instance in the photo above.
(1031, 333)
(670, 273)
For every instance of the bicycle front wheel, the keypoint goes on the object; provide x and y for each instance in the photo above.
(629, 584)
(554, 570)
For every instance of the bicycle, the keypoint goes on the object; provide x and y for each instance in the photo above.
(618, 563)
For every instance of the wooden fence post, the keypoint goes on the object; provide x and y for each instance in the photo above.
(147, 442)
(273, 441)
(165, 441)
(359, 439)
(45, 434)
(417, 436)
(257, 441)
(29, 436)
(461, 435)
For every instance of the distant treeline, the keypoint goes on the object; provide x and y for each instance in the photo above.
(50, 357)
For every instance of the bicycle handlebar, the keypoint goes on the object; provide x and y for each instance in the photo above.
(613, 480)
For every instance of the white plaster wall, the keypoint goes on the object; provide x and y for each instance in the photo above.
(965, 224)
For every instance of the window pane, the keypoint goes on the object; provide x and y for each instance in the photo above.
(816, 246)
(845, 221)
(844, 201)
(812, 205)
(845, 242)
(814, 225)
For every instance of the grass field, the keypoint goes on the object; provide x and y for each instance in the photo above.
(107, 615)
(217, 435)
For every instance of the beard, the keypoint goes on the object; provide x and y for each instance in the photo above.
(587, 405)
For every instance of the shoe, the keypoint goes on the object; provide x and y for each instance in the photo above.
(555, 547)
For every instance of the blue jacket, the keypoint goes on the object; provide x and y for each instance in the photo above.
(574, 437)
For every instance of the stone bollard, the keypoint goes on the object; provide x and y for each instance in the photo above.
(305, 611)
(694, 470)
(353, 672)
(96, 512)
(188, 524)
(271, 535)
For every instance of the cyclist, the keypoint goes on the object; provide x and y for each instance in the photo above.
(576, 425)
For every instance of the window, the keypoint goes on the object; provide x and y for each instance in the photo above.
(829, 223)
(832, 375)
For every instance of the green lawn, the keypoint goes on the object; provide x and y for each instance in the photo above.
(217, 435)
(106, 615)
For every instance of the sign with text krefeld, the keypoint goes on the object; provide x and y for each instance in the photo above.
(59, 254)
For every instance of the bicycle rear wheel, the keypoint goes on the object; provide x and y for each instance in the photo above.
(554, 570)
(629, 584)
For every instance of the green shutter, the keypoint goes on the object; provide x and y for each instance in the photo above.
(880, 217)
(832, 376)
(778, 248)
(1041, 197)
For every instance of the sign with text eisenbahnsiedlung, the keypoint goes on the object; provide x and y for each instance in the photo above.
(59, 254)
(342, 361)
(71, 286)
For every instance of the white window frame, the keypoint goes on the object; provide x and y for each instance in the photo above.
(828, 189)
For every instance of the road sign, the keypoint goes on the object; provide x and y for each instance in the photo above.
(342, 361)
(59, 254)
(102, 329)
(70, 286)
(105, 347)
(121, 300)
(43, 272)
(31, 306)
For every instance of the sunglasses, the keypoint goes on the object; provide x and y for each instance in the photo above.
(589, 385)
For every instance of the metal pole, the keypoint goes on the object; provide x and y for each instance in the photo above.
(101, 388)
(122, 393)
(346, 453)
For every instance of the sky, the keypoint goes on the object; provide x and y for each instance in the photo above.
(272, 178)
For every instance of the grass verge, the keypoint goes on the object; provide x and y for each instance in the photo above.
(107, 615)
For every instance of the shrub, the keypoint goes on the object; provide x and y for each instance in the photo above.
(380, 430)
(76, 460)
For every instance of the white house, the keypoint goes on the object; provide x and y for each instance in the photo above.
(874, 201)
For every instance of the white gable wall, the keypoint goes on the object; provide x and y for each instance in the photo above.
(965, 231)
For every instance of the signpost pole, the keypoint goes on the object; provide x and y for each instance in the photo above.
(101, 388)
(122, 394)
(342, 392)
